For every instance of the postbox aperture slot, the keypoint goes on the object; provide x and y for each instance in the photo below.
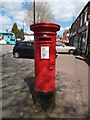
(42, 39)
(44, 42)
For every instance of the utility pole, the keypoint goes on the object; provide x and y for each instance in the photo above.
(23, 26)
(34, 11)
(23, 29)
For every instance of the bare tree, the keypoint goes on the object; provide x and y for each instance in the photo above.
(42, 13)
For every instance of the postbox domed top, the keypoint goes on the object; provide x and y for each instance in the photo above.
(45, 27)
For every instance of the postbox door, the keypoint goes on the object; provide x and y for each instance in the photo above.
(46, 66)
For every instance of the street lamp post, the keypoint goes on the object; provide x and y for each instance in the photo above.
(34, 11)
(23, 29)
(23, 25)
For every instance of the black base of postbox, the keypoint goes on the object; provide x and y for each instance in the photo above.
(44, 100)
(41, 100)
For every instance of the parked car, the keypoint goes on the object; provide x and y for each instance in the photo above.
(23, 49)
(62, 48)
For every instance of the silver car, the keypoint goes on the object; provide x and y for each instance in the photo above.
(62, 48)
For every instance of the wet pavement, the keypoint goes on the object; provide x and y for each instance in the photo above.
(71, 93)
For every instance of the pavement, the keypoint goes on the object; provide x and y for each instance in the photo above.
(71, 93)
(74, 85)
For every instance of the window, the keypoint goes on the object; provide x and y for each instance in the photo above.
(59, 44)
(81, 21)
(0, 37)
(76, 41)
(85, 17)
(12, 39)
(24, 44)
(78, 23)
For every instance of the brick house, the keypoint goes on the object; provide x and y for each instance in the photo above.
(80, 31)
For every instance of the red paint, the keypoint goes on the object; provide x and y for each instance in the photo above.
(45, 35)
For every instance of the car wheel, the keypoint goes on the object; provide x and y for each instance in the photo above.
(71, 51)
(16, 55)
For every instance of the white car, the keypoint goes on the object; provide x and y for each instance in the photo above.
(3, 41)
(62, 48)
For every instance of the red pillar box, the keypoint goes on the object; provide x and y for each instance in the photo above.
(45, 54)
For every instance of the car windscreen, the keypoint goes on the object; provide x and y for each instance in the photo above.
(59, 44)
(27, 44)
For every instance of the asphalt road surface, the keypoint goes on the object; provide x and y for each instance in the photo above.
(6, 48)
(71, 88)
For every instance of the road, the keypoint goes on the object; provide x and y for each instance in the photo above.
(6, 48)
(71, 88)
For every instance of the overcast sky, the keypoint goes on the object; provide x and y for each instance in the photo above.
(64, 11)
